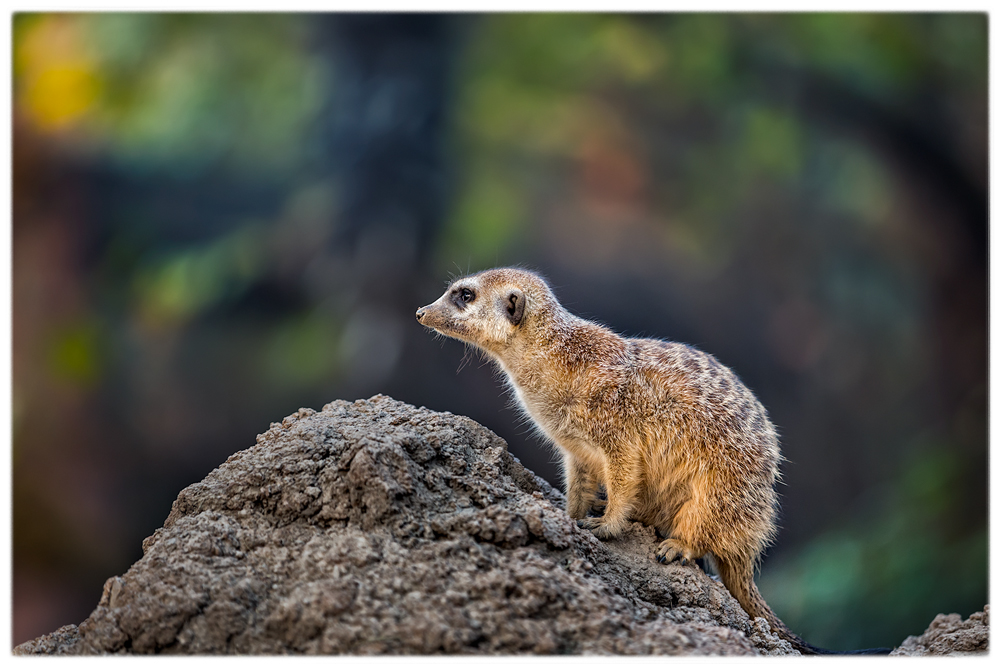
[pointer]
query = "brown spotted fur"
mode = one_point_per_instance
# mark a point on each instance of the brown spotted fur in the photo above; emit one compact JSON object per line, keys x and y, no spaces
{"x":674,"y":437}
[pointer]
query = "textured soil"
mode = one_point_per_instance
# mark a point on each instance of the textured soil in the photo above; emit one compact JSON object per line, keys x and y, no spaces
{"x":950,"y":635}
{"x":375,"y":527}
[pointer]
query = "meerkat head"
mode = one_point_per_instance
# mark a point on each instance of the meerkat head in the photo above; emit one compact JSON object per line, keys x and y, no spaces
{"x":488,"y":309}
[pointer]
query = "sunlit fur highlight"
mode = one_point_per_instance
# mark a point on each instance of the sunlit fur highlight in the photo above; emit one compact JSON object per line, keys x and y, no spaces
{"x":674,"y":437}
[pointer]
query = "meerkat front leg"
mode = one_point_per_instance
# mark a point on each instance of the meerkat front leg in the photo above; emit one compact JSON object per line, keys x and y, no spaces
{"x":581,"y":487}
{"x":621,"y":481}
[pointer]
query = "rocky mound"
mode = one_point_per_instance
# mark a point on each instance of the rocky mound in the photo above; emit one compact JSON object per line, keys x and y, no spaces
{"x":950,"y":635}
{"x":376,"y":527}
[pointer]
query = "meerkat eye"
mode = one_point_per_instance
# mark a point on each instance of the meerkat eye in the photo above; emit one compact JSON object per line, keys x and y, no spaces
{"x":467,"y":295}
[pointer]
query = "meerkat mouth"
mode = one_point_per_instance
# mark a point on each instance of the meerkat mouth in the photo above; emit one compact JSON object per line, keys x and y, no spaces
{"x":432,"y":318}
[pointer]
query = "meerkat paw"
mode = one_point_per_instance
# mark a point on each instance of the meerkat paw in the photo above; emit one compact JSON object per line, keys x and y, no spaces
{"x":601,"y":529}
{"x":670,"y":550}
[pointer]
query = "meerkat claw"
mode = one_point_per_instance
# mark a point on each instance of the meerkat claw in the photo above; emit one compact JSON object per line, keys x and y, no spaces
{"x":671,"y":550}
{"x":601,"y":529}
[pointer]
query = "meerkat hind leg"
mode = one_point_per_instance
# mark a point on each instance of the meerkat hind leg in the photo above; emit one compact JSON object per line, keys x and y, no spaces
{"x":683,"y":543}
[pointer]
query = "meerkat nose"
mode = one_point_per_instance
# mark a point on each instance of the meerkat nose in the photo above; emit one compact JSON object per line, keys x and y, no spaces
{"x":420,"y":313}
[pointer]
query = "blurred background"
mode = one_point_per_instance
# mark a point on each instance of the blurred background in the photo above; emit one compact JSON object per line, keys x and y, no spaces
{"x":218,"y":219}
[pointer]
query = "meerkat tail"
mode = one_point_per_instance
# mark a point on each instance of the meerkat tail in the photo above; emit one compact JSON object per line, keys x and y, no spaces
{"x":738,"y":579}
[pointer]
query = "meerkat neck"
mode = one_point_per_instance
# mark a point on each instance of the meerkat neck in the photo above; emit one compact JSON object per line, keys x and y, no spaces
{"x":554,"y":348}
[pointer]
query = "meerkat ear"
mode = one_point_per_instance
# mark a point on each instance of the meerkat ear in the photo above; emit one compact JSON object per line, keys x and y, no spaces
{"x":515,"y":306}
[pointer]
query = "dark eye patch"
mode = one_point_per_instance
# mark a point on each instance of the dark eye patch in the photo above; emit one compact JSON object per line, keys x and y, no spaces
{"x":462,"y":296}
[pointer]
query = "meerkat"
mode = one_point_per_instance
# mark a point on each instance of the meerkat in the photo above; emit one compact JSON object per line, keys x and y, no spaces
{"x":676,"y":440}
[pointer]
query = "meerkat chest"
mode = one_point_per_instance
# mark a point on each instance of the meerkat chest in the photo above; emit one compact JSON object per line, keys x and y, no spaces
{"x":558,"y":414}
{"x":557,"y":400}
